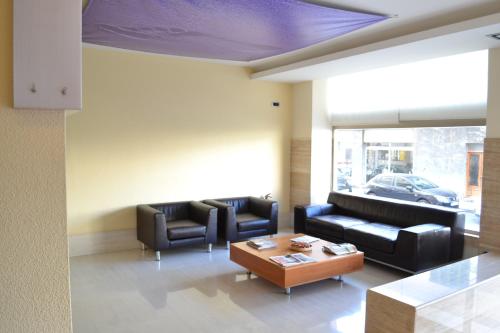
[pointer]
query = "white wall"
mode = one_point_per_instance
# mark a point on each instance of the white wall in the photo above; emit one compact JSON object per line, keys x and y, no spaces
{"x":34,"y":268}
{"x":321,"y":145}
{"x":493,"y":118}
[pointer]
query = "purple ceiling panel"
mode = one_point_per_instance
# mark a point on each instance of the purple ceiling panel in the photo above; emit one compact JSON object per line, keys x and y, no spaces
{"x":241,"y":30}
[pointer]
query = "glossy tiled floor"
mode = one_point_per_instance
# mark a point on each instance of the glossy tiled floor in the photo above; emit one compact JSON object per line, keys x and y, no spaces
{"x":194,"y":291}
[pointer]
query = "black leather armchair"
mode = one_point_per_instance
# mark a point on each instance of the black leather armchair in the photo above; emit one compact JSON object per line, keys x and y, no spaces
{"x":166,"y":225}
{"x":406,"y":235}
{"x":245,"y":217}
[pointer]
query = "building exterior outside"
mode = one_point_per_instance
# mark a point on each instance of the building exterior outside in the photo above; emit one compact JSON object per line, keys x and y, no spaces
{"x":450,"y":157}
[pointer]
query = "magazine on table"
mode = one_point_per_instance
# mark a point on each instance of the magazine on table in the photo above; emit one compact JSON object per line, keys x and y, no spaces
{"x":261,"y":244}
{"x":292,"y":259}
{"x":340,"y":249}
{"x":305,"y":239}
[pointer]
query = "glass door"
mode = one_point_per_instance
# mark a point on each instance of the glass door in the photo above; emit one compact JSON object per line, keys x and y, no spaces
{"x":474,"y":173}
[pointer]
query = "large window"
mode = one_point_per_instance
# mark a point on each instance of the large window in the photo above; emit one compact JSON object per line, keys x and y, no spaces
{"x":437,"y":165}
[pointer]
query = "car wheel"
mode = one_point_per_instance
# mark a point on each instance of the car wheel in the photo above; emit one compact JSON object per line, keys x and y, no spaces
{"x":423,"y":201}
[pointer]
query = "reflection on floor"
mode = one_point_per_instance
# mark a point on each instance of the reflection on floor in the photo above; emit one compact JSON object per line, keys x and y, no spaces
{"x":194,"y":291}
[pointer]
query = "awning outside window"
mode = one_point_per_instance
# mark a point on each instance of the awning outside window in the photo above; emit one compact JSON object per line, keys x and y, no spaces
{"x":448,"y":88}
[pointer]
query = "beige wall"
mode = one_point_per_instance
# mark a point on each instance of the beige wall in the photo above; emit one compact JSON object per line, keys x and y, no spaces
{"x":158,"y":129}
{"x":34,"y":279}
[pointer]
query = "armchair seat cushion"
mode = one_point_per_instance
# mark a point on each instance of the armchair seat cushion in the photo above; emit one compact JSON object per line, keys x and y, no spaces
{"x":181,"y":229}
{"x":333,"y":225}
{"x":378,"y":236}
{"x":248,"y":222}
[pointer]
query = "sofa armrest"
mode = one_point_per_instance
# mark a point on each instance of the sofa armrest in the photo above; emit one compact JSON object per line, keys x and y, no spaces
{"x":201,"y":213}
{"x":267,"y":209}
{"x":226,"y":220}
{"x":457,"y":237}
{"x":302,"y":213}
{"x":206,"y":215}
{"x":261,"y":207}
{"x":424,"y":246}
{"x":152,"y":227}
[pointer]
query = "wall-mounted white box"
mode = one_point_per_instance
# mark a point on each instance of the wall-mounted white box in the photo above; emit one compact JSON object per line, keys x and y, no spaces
{"x":48,"y":54}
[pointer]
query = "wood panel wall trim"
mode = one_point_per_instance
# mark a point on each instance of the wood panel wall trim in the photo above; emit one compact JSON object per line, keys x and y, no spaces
{"x":490,"y":206}
{"x":300,"y":172}
{"x":380,"y":311}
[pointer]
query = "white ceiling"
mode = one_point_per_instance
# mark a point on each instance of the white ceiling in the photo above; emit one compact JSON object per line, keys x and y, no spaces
{"x":418,"y":30}
{"x":465,"y":36}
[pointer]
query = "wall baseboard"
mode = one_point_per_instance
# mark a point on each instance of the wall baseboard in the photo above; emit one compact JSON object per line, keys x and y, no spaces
{"x":103,"y":242}
{"x":285,"y":220}
{"x":122,"y":240}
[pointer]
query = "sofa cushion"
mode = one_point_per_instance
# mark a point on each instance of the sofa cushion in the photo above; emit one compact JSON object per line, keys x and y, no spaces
{"x":377,"y":236}
{"x":247,"y":222}
{"x":185,"y":229}
{"x":333,"y":225}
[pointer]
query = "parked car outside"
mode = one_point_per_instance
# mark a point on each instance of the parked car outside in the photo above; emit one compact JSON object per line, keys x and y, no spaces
{"x":410,"y":188}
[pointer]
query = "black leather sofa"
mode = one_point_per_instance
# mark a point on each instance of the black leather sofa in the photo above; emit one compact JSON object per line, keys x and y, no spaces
{"x":408,"y":236}
{"x":167,"y":225}
{"x":244,"y":217}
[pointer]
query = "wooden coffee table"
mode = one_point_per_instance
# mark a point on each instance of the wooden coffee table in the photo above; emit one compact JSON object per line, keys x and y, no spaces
{"x":327,"y":266}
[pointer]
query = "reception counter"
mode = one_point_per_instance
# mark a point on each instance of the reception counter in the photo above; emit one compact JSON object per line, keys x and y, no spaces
{"x":460,"y":297}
